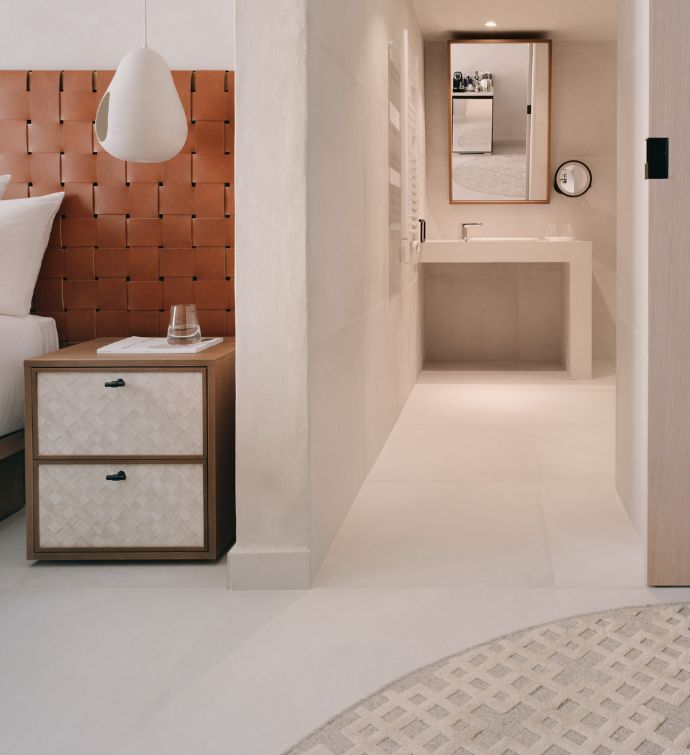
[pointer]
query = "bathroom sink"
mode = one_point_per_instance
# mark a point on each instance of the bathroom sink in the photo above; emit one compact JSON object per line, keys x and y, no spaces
{"x":505,"y":249}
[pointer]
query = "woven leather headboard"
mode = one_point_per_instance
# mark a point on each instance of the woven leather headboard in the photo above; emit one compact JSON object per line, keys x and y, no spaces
{"x":131,"y":239}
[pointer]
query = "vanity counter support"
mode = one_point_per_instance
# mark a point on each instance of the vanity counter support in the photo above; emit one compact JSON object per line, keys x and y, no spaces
{"x":576,"y":258}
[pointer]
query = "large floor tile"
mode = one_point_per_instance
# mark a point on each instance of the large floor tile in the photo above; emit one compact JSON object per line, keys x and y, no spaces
{"x":440,"y":534}
{"x":464,"y":405}
{"x":511,"y":373}
{"x":79,"y":665}
{"x":591,"y":539}
{"x":507,"y":373}
{"x":327,"y":650}
{"x":570,"y":405}
{"x":577,"y":454}
{"x":437,"y":452}
{"x":16,"y":571}
{"x":578,"y":601}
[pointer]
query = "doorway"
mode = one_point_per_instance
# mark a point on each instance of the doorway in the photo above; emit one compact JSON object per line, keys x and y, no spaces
{"x":435,"y":508}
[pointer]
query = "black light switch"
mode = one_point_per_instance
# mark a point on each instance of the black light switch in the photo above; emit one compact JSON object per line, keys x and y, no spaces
{"x":657,"y":158}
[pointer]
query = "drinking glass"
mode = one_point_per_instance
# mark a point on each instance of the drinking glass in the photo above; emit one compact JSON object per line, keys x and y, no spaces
{"x":184,"y":325}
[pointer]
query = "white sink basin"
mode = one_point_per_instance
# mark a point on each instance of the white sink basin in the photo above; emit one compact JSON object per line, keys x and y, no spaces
{"x":504,"y":249}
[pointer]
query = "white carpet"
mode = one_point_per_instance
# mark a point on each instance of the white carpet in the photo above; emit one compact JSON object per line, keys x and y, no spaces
{"x":502,"y":175}
{"x":472,"y":138}
{"x":611,"y":682}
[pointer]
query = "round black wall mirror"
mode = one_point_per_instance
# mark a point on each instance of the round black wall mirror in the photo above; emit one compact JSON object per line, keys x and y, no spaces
{"x":573,"y":178}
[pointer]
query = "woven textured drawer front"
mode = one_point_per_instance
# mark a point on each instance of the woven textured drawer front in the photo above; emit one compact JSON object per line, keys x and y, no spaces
{"x":154,"y":413}
{"x":156,"y":506}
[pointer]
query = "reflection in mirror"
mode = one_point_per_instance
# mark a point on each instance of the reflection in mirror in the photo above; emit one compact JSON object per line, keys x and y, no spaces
{"x":499,"y":120}
{"x":573,"y":178}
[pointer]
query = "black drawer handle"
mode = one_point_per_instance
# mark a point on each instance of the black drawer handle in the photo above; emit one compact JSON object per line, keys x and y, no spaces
{"x":117,"y":477}
{"x":119,"y":383}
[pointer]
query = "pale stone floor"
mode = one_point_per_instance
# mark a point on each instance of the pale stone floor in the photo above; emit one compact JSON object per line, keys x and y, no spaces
{"x":491,"y":508}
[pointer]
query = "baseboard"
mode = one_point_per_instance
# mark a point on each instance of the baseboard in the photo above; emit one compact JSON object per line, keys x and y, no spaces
{"x":254,"y":569}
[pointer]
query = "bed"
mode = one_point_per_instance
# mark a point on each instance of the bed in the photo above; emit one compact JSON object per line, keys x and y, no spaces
{"x":20,"y":338}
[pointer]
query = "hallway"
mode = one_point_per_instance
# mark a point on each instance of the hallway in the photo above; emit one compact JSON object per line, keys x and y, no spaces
{"x":493,"y":479}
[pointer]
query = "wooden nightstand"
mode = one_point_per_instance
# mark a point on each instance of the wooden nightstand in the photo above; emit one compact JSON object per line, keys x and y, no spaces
{"x":130,"y":457}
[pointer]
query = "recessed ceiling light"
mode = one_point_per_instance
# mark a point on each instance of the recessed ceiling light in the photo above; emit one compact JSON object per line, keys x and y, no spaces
{"x":491,"y":24}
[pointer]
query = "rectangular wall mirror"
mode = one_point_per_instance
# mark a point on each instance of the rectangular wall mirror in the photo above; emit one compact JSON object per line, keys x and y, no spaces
{"x":499,"y":120}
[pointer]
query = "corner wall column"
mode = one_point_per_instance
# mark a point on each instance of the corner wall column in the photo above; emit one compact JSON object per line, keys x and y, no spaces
{"x":272,"y":548}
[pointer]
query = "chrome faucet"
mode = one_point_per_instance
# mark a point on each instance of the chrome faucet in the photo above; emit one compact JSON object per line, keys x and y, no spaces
{"x":463,"y":230}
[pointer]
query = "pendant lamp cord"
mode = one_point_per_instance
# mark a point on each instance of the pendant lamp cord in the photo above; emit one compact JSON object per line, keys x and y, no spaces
{"x":146,"y":25}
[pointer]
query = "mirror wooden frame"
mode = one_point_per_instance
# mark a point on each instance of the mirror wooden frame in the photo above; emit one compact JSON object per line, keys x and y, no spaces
{"x":489,"y":40}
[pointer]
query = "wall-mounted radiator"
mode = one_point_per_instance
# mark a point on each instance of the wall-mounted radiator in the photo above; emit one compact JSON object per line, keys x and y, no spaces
{"x":404,"y":154}
{"x":410,"y":184}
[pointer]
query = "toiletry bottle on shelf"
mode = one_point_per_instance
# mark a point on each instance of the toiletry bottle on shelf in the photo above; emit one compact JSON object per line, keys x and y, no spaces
{"x":551,"y":232}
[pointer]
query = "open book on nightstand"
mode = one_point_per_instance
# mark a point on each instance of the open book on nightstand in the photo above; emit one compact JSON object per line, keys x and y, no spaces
{"x":141,"y":345}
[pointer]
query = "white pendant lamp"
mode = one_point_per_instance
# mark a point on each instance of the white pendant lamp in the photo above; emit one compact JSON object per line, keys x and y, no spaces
{"x":141,"y":118}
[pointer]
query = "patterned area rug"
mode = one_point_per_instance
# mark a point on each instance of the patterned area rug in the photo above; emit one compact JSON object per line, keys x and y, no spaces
{"x":472,"y":139}
{"x":503,"y":175}
{"x":612,"y":682}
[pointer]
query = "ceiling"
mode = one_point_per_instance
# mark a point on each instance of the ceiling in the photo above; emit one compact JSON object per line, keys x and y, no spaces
{"x":572,"y":20}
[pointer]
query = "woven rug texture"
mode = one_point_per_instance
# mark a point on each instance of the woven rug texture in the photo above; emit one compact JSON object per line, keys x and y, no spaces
{"x":611,"y":682}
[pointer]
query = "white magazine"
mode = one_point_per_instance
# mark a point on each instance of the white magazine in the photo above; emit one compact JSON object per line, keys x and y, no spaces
{"x":139,"y":345}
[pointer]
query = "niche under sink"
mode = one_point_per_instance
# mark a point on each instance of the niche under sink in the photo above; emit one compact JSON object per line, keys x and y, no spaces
{"x":575,"y":256}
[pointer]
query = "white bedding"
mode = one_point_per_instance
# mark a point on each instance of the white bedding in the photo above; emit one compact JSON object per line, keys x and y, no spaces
{"x":20,"y":339}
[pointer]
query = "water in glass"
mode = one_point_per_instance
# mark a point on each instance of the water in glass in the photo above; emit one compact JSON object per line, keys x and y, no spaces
{"x":184,"y":325}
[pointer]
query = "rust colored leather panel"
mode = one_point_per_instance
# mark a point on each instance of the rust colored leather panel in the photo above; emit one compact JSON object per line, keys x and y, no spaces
{"x":130,"y":238}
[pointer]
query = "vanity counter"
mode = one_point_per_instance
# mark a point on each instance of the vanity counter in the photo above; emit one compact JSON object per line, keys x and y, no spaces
{"x":508,"y":250}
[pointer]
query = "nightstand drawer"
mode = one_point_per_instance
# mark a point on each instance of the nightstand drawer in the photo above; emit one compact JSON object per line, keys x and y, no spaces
{"x":120,"y":412}
{"x":142,"y":505}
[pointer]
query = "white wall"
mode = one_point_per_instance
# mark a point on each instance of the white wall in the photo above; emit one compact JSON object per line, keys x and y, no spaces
{"x":583,"y":128}
{"x":364,"y":312}
{"x":633,"y":257}
{"x":271,"y":236}
{"x":83,"y":34}
{"x":328,"y":321}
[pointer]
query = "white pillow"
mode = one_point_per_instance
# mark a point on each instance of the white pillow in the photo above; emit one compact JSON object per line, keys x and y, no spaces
{"x":24,"y":232}
{"x":4,"y":180}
